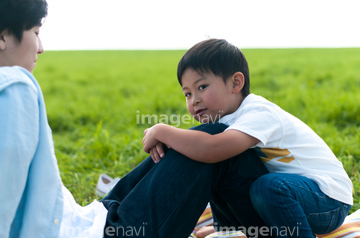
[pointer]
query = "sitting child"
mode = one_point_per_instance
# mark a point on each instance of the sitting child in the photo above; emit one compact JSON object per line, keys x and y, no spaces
{"x":307,"y":191}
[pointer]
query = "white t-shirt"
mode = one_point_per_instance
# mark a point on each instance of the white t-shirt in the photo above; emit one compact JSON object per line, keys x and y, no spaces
{"x":82,"y":222}
{"x":290,"y":146}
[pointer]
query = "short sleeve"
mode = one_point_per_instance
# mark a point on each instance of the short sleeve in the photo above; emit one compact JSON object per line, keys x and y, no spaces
{"x":259,"y":122}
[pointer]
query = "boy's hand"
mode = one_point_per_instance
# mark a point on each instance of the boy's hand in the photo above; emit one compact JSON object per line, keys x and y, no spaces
{"x":157,"y":152}
{"x":149,"y":140}
{"x":204,"y":231}
{"x":152,"y":145}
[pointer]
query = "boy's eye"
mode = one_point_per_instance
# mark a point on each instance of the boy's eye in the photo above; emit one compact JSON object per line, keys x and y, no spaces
{"x":202,"y":87}
{"x":187,"y":95}
{"x":36,"y":30}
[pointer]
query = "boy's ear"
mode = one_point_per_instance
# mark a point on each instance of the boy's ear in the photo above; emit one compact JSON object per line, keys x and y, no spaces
{"x":2,"y":39}
{"x":238,"y":81}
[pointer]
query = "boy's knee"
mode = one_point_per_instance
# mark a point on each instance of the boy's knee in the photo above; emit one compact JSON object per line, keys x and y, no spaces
{"x":211,"y":128}
{"x":266,"y":188}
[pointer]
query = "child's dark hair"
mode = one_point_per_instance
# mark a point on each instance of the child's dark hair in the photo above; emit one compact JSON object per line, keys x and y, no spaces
{"x":216,"y":56}
{"x":19,"y":15}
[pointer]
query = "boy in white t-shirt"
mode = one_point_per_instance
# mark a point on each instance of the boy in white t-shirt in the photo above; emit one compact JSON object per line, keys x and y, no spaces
{"x":307,"y":191}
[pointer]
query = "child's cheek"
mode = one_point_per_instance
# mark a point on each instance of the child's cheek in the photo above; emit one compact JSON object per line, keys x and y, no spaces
{"x":189,"y":108}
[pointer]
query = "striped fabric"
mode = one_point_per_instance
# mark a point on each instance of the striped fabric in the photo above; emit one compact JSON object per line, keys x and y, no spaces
{"x":350,"y":228}
{"x":232,"y":234}
{"x":205,"y":219}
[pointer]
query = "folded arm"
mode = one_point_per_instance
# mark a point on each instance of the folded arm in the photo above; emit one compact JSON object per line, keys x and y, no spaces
{"x":197,"y":145}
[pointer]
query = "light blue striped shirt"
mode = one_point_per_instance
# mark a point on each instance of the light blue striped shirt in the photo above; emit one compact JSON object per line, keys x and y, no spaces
{"x":31,"y":200}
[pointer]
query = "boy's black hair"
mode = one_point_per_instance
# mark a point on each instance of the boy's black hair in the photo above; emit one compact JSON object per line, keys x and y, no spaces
{"x":17,"y":16}
{"x":216,"y":56}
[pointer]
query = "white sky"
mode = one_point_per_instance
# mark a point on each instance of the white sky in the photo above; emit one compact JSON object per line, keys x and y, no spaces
{"x":158,"y":24}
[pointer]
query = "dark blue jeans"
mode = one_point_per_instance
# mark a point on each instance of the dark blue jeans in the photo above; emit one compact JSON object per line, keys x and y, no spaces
{"x":294,"y":206}
{"x":166,"y":199}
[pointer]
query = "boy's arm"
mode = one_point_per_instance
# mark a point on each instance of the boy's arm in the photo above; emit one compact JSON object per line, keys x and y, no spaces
{"x":198,"y":145}
{"x":19,"y":131}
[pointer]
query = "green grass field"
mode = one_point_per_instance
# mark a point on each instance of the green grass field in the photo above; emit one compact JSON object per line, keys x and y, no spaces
{"x":94,"y":99}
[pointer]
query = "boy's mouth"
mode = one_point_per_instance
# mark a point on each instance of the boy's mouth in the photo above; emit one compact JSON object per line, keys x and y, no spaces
{"x":200,"y":112}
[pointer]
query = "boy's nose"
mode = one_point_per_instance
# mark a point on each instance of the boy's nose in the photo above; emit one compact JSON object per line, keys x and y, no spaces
{"x":195,"y":101}
{"x":41,"y":48}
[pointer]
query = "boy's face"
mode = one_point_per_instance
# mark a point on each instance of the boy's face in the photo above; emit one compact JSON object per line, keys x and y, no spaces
{"x":208,"y":97}
{"x":22,"y":53}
